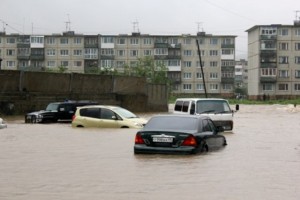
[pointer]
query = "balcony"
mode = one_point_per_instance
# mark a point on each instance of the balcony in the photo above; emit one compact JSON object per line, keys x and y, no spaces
{"x":87,"y":45}
{"x":37,"y":57}
{"x":175,"y":46}
{"x":23,"y":45}
{"x":227,"y":80}
{"x":268,"y":65}
{"x":23,"y":57}
{"x":107,"y":57}
{"x":161,"y":45}
{"x":268,"y":37}
{"x":268,"y":79}
{"x":227,"y":46}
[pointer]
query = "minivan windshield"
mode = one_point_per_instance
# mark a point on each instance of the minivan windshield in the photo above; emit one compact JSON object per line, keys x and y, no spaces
{"x":212,"y":106}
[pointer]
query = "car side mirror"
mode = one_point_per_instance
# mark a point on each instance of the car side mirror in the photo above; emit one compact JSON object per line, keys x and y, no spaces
{"x":237,"y":107}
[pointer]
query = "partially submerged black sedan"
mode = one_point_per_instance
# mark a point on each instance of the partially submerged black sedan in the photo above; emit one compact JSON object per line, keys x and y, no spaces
{"x":178,"y":134}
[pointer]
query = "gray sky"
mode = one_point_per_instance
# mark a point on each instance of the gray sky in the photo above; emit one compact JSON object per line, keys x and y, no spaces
{"x":217,"y":17}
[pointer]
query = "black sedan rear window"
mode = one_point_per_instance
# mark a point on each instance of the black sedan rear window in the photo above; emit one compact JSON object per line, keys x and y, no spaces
{"x":172,"y":123}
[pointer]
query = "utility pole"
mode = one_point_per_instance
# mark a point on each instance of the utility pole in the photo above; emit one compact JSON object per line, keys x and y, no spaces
{"x":199,"y":52}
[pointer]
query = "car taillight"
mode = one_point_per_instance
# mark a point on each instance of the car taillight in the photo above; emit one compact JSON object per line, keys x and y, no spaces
{"x":139,"y":139}
{"x":73,"y":117}
{"x":189,"y":141}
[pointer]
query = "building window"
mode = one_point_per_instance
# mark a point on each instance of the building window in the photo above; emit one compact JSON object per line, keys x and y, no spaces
{"x":187,"y":52}
{"x":187,"y":86}
{"x":213,"y":52}
{"x":64,"y":41}
{"x":50,"y":52}
{"x":283,"y":59}
{"x":10,"y":63}
{"x":297,"y":73}
{"x":173,"y":63}
{"x":283,"y":32}
{"x":268,"y":72}
{"x":268,"y":31}
{"x":134,"y":53}
{"x":77,"y":63}
{"x":213,"y":41}
{"x":107,"y":39}
{"x":297,"y":32}
{"x":284,"y":46}
{"x":283,"y":73}
{"x":227,"y":86}
{"x":199,"y":75}
{"x":161,"y":51}
{"x":147,"y":41}
{"x":121,"y":53}
{"x":107,"y":52}
{"x":297,"y":46}
{"x":227,"y":52}
{"x":228,"y":63}
{"x":120,"y":64}
{"x":199,"y":86}
{"x":147,"y":52}
{"x":121,"y":41}
{"x":64,"y":63}
{"x":267,"y":87}
{"x":187,"y":75}
{"x":51,"y":63}
{"x":297,"y":60}
{"x":10,"y":52}
{"x":213,"y":63}
{"x":213,"y":86}
{"x":107,"y":63}
{"x":134,"y":41}
{"x":51,"y":40}
{"x":77,"y":40}
{"x":77,"y":52}
{"x":227,"y":74}
{"x":64,"y":52}
{"x":198,"y":64}
{"x":91,"y":53}
{"x":297,"y":86}
{"x":283,"y":87}
{"x":11,"y":40}
{"x":213,"y":75}
{"x":187,"y":64}
{"x":187,"y":41}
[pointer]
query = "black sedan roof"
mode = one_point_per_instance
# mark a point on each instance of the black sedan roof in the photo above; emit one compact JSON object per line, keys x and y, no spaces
{"x":188,"y":123}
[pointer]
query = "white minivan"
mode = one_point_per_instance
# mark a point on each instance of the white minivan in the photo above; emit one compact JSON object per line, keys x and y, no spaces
{"x":217,"y":109}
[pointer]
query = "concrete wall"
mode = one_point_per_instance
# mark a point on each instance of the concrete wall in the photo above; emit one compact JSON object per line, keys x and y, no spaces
{"x":22,"y":92}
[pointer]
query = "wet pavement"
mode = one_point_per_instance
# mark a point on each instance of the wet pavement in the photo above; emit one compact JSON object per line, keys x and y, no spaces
{"x":56,"y":161}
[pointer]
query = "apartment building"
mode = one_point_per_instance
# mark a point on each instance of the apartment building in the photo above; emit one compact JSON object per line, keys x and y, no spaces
{"x":80,"y":53}
{"x":274,"y":61}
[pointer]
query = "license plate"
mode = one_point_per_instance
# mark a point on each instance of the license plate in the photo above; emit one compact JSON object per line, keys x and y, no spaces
{"x":161,"y":139}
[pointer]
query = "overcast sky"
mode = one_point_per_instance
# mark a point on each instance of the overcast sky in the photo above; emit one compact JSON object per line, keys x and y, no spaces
{"x":166,"y":17}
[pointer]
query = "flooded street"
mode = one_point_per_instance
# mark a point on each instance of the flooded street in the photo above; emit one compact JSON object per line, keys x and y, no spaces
{"x":55,"y":161}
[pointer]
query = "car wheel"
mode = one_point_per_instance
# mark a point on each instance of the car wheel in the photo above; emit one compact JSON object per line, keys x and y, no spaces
{"x":33,"y":119}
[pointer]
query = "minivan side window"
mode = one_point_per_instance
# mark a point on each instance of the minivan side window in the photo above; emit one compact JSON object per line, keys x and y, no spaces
{"x":178,"y":106}
{"x":185,"y":106}
{"x":107,"y":114}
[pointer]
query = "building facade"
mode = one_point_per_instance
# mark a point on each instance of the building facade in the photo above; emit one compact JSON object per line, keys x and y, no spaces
{"x":274,"y":61}
{"x":80,"y":53}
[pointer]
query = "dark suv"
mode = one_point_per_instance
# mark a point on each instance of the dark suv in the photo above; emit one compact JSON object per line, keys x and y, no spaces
{"x":56,"y":111}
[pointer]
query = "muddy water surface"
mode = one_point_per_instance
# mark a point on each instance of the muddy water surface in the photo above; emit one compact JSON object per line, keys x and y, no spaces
{"x":55,"y":161}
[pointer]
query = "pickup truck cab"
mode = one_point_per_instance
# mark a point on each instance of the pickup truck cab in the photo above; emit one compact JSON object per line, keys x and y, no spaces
{"x":56,"y":111}
{"x":216,"y":108}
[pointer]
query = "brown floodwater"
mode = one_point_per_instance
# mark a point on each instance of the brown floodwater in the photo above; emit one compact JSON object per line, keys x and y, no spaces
{"x":56,"y":161}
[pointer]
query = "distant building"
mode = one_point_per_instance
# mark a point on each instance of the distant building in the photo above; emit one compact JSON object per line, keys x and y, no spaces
{"x":241,"y":76}
{"x":90,"y":53}
{"x":274,"y":61}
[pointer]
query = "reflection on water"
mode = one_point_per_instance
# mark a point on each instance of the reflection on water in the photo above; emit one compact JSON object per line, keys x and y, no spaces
{"x":55,"y":161}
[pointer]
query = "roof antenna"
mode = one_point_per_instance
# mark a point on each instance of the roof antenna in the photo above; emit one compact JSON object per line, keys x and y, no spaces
{"x":136,"y":27}
{"x":68,"y":24}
